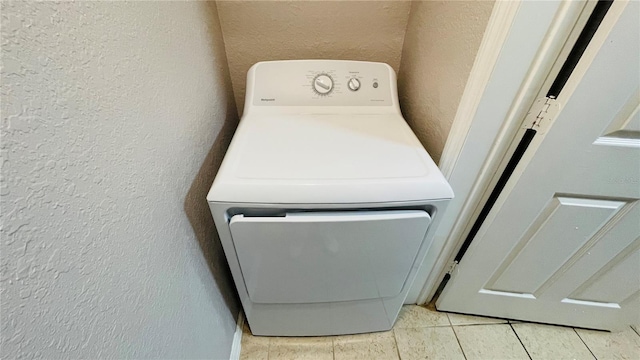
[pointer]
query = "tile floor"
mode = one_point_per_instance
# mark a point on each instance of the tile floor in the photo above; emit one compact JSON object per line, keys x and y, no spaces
{"x":421,"y":333}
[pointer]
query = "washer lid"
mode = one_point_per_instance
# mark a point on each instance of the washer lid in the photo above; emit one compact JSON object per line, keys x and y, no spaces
{"x":327,"y":159}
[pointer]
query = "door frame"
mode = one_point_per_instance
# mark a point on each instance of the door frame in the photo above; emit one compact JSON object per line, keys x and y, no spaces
{"x":522,"y":49}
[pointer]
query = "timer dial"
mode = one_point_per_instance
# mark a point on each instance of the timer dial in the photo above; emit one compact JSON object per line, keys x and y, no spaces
{"x":323,"y":84}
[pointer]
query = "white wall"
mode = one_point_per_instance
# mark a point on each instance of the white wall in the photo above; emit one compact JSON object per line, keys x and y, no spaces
{"x":282,"y":30}
{"x":440,"y":45}
{"x":114,"y":120}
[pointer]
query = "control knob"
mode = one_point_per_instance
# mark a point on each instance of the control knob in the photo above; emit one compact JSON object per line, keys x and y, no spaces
{"x":322,"y":84}
{"x":354,"y":84}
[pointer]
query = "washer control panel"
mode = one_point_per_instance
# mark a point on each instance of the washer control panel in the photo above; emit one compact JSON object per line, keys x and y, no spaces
{"x":321,"y":83}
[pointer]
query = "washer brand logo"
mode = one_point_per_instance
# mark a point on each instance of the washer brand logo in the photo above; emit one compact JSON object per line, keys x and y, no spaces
{"x":263,"y":99}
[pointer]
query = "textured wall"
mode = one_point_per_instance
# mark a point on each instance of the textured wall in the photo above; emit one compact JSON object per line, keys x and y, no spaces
{"x":282,"y":30}
{"x":114,"y":118}
{"x":440,"y":46}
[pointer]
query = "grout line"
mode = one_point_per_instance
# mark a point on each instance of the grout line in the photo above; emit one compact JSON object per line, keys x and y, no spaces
{"x":585,"y":344}
{"x":521,"y":343}
{"x":635,"y":330}
{"x":396,"y":342}
{"x":333,"y":348}
{"x":269,"y":348}
{"x":458,"y":340}
{"x":485,"y":324}
{"x":505,"y":321}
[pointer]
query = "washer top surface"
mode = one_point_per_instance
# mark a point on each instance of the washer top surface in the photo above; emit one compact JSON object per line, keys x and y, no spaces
{"x":319,"y":154}
{"x":327,"y":147}
{"x":327,"y":159}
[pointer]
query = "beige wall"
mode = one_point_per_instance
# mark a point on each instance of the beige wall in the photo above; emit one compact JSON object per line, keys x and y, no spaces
{"x":433,"y":58}
{"x":114,"y":118}
{"x":281,"y":30}
{"x":440,"y":45}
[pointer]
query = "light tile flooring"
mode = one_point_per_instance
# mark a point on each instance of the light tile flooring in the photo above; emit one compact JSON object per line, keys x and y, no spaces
{"x":421,"y":333}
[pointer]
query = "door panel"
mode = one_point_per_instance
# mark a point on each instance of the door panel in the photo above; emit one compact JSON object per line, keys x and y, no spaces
{"x":615,"y":283}
{"x":601,"y":250}
{"x":625,"y":128}
{"x":561,"y":244}
{"x":328,"y":256}
{"x":563,"y":227}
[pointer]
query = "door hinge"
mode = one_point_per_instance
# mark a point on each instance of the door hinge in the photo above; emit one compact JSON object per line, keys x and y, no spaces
{"x":452,"y":267}
{"x":541,"y":115}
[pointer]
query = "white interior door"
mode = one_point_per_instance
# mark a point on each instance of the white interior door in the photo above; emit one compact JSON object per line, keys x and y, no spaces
{"x":562,"y":243}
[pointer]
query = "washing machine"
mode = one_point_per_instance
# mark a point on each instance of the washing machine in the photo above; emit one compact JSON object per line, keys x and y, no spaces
{"x":325,"y":202}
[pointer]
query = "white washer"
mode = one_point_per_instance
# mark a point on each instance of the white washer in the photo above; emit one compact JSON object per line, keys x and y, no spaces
{"x":326,"y":202}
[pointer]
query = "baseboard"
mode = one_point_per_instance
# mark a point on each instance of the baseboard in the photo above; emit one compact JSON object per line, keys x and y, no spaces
{"x":237,"y":338}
